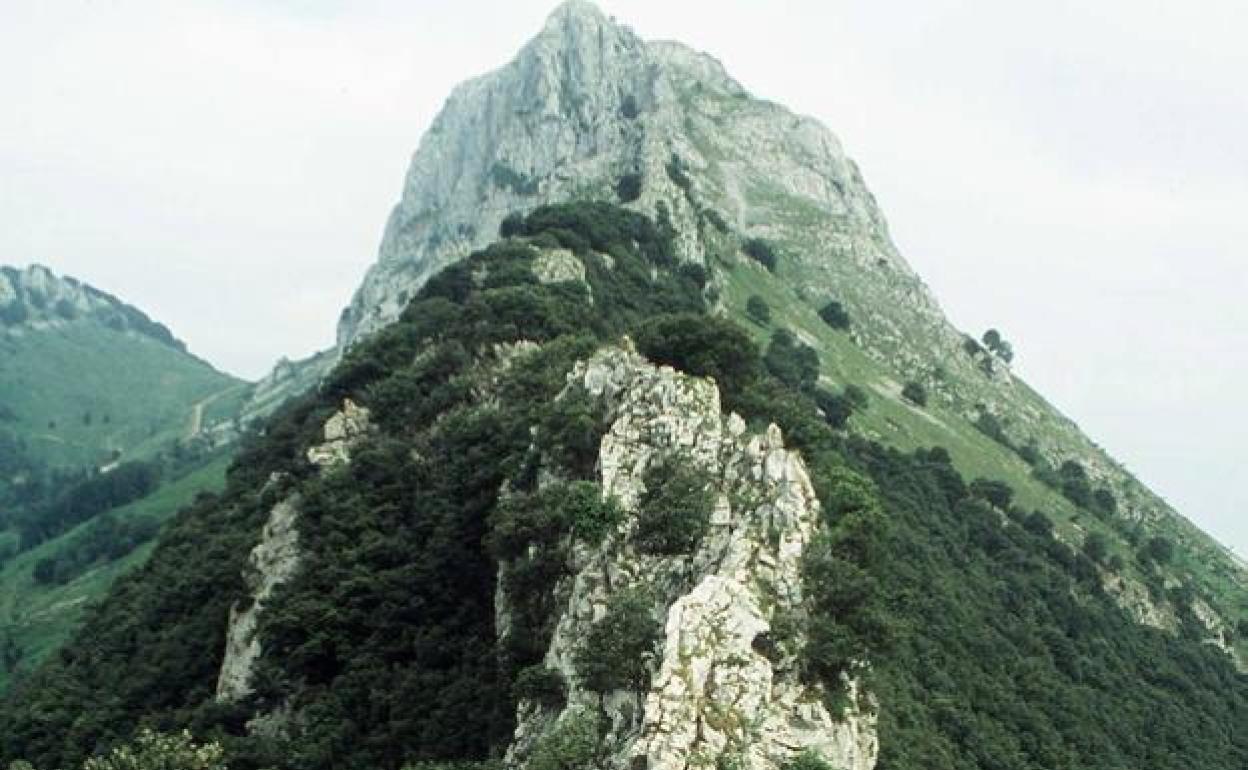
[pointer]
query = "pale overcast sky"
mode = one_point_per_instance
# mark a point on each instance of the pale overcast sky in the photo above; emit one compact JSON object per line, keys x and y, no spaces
{"x":1073,"y":173}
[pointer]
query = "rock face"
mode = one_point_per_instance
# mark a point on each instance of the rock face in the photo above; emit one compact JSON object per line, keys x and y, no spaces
{"x":275,"y":558}
{"x":37,"y":298}
{"x":588,"y":110}
{"x":272,"y":562}
{"x":585,"y":104}
{"x":723,"y":693}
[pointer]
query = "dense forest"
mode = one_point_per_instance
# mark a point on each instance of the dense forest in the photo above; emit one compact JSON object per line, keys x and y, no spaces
{"x":988,"y":642}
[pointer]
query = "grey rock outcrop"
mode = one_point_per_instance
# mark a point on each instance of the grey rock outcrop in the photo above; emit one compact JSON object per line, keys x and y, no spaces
{"x":586,"y":103}
{"x":275,"y":559}
{"x":37,"y":298}
{"x":715,"y":695}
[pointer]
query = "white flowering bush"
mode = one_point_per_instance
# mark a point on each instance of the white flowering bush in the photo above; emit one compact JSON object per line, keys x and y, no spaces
{"x":158,"y":751}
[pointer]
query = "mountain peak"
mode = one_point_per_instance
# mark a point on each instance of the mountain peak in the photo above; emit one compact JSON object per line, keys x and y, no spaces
{"x":575,"y":12}
{"x":36,"y":297}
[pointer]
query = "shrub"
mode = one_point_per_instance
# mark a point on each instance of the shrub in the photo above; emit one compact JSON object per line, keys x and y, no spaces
{"x":757,"y":308}
{"x":674,"y":512}
{"x":807,"y":760}
{"x":1104,"y":502}
{"x":571,"y":433}
{"x":155,"y":751}
{"x":572,"y":744}
{"x":990,"y":425}
{"x":838,"y":408}
{"x":628,"y":188}
{"x":914,"y":393}
{"x":1074,"y":483}
{"x":586,"y":513}
{"x":791,"y":361}
{"x":703,"y":346}
{"x":1159,"y":549}
{"x":998,"y":345}
{"x":835,"y":315}
{"x":761,"y":252}
{"x":856,"y":396}
{"x":676,"y":172}
{"x":1096,"y":547}
{"x":998,"y":493}
{"x":628,"y":107}
{"x":614,"y":654}
{"x":542,"y":685}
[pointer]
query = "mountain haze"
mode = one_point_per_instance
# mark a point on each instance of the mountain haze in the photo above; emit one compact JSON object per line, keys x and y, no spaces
{"x":107,"y":425}
{"x":641,"y":446}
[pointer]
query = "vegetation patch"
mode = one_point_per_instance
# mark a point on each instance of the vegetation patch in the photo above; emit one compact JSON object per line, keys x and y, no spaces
{"x":674,"y":513}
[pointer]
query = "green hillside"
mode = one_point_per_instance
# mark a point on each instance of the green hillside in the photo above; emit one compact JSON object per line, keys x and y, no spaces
{"x":106,"y":428}
{"x":970,"y":608}
{"x":36,"y":617}
{"x":80,"y":394}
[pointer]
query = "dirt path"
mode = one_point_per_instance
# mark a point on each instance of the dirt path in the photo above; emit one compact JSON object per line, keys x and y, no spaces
{"x":196,"y":423}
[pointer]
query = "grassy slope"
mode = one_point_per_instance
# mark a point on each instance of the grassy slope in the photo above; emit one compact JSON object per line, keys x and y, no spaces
{"x":40,"y":618}
{"x":138,"y":392}
{"x":893,"y":421}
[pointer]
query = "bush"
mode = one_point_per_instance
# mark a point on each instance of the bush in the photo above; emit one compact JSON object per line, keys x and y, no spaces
{"x":542,"y":685}
{"x":628,"y":188}
{"x":1103,"y":502}
{"x":835,"y":315}
{"x":1074,"y":484}
{"x":572,"y":744}
{"x":914,"y":393}
{"x":807,"y":760}
{"x":1096,"y":547}
{"x":791,"y":361}
{"x":676,"y":172}
{"x":703,"y":346}
{"x":572,"y":432}
{"x":154,"y":751}
{"x":998,"y":493}
{"x":757,"y":308}
{"x":998,"y":345}
{"x":761,"y":252}
{"x":1159,"y":549}
{"x":615,"y":652}
{"x":628,"y":107}
{"x":674,"y":512}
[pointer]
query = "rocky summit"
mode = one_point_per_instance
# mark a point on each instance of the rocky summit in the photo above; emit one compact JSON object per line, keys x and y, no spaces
{"x":642,"y":448}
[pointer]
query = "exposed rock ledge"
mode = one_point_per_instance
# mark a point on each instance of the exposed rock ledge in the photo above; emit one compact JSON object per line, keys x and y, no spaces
{"x":715,"y":699}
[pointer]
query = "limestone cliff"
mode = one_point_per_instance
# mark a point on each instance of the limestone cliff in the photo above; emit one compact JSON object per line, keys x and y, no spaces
{"x":275,"y":558}
{"x":37,"y":298}
{"x":589,"y":110}
{"x":724,"y":690}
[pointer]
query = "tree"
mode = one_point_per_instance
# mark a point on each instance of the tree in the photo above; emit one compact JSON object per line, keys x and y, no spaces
{"x":674,"y":512}
{"x":701,"y":345}
{"x":998,"y":345}
{"x":835,"y":315}
{"x":629,"y":188}
{"x":998,"y":493}
{"x":1096,"y":547}
{"x":757,"y":308}
{"x":615,"y":652}
{"x":791,"y":361}
{"x":914,"y":393}
{"x":1159,"y":549}
{"x":762,"y":252}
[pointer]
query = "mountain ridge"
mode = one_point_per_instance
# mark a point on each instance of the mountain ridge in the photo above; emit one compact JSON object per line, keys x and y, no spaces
{"x":587,"y":105}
